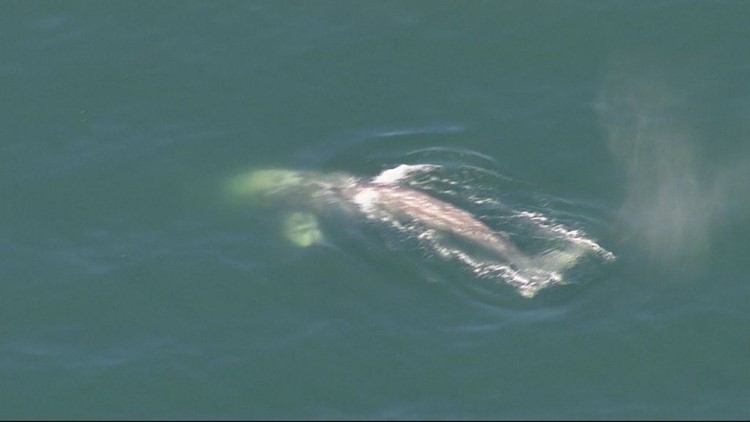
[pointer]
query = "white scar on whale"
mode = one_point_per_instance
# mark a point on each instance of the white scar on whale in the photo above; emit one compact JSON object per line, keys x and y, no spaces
{"x":386,"y":199}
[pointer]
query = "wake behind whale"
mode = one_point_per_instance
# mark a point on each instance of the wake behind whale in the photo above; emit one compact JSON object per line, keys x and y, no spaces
{"x":400,"y":198}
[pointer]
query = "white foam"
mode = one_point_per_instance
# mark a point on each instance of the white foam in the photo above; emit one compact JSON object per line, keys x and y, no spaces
{"x":574,"y":236}
{"x":394,"y":175}
{"x":527,"y":281}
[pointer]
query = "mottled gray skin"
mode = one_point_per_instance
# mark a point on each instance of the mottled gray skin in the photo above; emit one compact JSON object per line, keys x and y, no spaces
{"x":437,"y":214}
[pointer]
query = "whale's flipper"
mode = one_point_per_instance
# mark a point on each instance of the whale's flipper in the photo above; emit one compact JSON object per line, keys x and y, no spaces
{"x":302,"y":229}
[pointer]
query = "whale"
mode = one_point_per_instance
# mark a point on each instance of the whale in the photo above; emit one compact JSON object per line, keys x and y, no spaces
{"x":386,"y":199}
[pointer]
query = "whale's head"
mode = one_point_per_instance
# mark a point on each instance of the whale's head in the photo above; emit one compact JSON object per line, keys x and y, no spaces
{"x":264,"y":185}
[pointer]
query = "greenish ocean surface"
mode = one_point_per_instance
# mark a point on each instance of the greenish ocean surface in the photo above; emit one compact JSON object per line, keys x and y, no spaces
{"x":134,"y":285}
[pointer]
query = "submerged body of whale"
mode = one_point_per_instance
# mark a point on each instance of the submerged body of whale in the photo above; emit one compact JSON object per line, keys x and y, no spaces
{"x":386,"y":199}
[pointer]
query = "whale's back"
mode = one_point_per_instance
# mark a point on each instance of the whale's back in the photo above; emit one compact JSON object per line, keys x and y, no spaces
{"x":406,"y":203}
